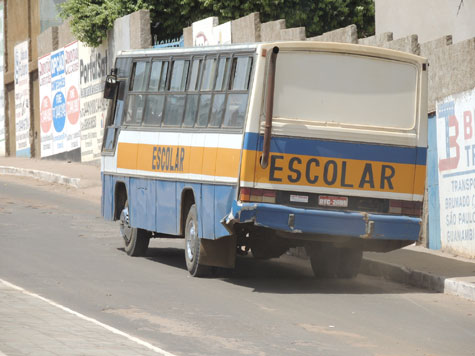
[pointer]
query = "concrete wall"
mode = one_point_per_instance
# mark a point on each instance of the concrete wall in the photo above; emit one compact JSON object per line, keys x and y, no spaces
{"x":451,"y":68}
{"x":347,"y":34}
{"x":377,"y":40}
{"x":270,"y":31}
{"x":47,"y":41}
{"x":130,"y":32}
{"x":429,"y":19}
{"x":246,"y":29}
{"x":408,"y":44}
{"x":65,"y":36}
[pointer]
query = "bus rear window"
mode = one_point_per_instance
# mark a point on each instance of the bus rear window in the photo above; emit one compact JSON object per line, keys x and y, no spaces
{"x":345,"y":89}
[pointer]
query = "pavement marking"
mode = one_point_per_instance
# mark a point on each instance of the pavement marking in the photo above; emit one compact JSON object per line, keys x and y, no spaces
{"x":94,"y":321}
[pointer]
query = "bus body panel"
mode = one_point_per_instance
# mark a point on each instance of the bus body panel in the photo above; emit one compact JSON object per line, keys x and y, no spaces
{"x":345,"y":158}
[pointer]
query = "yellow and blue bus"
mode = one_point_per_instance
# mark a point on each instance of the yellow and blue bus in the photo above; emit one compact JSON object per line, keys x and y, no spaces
{"x":265,"y":147}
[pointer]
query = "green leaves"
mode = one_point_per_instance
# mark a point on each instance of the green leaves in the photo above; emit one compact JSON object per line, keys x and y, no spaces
{"x":90,"y":19}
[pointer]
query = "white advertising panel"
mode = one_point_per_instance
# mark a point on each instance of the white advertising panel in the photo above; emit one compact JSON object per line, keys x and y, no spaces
{"x":73,"y":127}
{"x":58,"y":83}
{"x":46,"y":109}
{"x":222,"y":34}
{"x":456,"y":154}
{"x":58,"y":74}
{"x":93,"y":71}
{"x":22,"y":100}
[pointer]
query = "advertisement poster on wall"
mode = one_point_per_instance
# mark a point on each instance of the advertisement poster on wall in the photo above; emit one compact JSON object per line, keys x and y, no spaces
{"x":59,"y":100}
{"x":2,"y":84}
{"x":22,"y":100}
{"x":71,"y":93}
{"x":93,"y":69}
{"x":46,"y":110}
{"x":456,"y":155}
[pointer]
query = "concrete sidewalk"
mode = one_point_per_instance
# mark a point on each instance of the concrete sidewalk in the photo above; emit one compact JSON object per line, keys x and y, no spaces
{"x":414,"y":265}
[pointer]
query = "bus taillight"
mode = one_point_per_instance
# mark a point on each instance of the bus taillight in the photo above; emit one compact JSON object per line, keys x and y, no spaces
{"x":407,"y":208}
{"x":257,"y":195}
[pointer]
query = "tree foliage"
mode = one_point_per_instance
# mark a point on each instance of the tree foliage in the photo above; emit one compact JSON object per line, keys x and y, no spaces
{"x":90,"y":19}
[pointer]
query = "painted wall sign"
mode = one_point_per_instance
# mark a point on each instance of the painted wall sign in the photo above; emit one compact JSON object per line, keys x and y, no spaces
{"x":2,"y":84}
{"x":93,"y":68}
{"x":456,"y":161}
{"x":58,"y":74}
{"x":22,"y":100}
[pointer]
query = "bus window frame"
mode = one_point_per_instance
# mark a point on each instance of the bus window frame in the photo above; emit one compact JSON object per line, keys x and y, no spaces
{"x":191,"y":57}
{"x":112,"y":123}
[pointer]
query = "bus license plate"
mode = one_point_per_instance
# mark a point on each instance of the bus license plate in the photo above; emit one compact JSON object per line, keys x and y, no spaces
{"x":337,"y":202}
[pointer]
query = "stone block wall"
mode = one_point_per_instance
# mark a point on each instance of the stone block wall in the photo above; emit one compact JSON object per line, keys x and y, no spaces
{"x":270,"y":31}
{"x":47,"y":41}
{"x":408,"y":44}
{"x":246,"y":29}
{"x":347,"y":34}
{"x":65,"y":36}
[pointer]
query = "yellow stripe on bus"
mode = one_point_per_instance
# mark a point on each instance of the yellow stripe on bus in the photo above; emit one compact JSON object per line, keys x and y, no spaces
{"x":211,"y":161}
{"x":301,"y":170}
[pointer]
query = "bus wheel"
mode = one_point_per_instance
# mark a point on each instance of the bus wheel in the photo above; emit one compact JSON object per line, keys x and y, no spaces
{"x":136,"y":240}
{"x":324,"y":260}
{"x":350,"y":261}
{"x":192,"y":246}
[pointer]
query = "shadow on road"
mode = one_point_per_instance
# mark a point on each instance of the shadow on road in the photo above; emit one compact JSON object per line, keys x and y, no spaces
{"x":284,"y":275}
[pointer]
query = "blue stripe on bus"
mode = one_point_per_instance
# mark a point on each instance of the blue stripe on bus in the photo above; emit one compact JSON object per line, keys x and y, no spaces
{"x":338,"y":149}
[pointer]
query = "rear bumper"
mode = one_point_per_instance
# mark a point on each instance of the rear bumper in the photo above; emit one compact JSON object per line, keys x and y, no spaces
{"x":325,"y":222}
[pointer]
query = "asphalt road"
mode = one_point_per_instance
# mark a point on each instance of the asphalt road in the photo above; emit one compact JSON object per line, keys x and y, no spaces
{"x":54,"y":242}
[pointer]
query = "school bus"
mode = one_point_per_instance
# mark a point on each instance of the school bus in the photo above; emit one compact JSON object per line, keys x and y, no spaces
{"x":265,"y":147}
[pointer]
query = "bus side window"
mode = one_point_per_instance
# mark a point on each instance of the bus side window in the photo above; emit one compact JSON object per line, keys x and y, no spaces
{"x":175,"y":103}
{"x":138,"y":84}
{"x":237,"y":99}
{"x":192,"y":95}
{"x":217,"y":110}
{"x":139,"y":76}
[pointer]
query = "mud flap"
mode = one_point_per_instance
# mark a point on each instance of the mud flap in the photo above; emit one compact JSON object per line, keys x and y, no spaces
{"x":218,"y":253}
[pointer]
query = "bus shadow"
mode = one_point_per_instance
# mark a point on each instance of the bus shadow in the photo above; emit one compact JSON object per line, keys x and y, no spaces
{"x":284,"y":275}
{"x":170,"y":256}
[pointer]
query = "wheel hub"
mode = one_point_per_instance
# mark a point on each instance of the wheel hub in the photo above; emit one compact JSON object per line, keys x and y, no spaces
{"x":125,"y":229}
{"x":191,"y":237}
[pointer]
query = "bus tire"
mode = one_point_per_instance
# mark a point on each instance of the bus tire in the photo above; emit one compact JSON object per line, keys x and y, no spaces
{"x":325,"y":261}
{"x":350,"y":261}
{"x":135,"y":240}
{"x":192,"y":246}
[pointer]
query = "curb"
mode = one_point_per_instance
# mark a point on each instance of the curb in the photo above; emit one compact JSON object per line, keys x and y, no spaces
{"x":41,"y":175}
{"x":401,"y":274}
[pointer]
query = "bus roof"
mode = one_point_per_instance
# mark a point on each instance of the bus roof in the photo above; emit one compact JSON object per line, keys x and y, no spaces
{"x":296,"y":45}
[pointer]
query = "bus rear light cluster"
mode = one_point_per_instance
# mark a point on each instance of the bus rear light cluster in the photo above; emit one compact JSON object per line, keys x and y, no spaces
{"x":257,"y":195}
{"x":407,"y":208}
